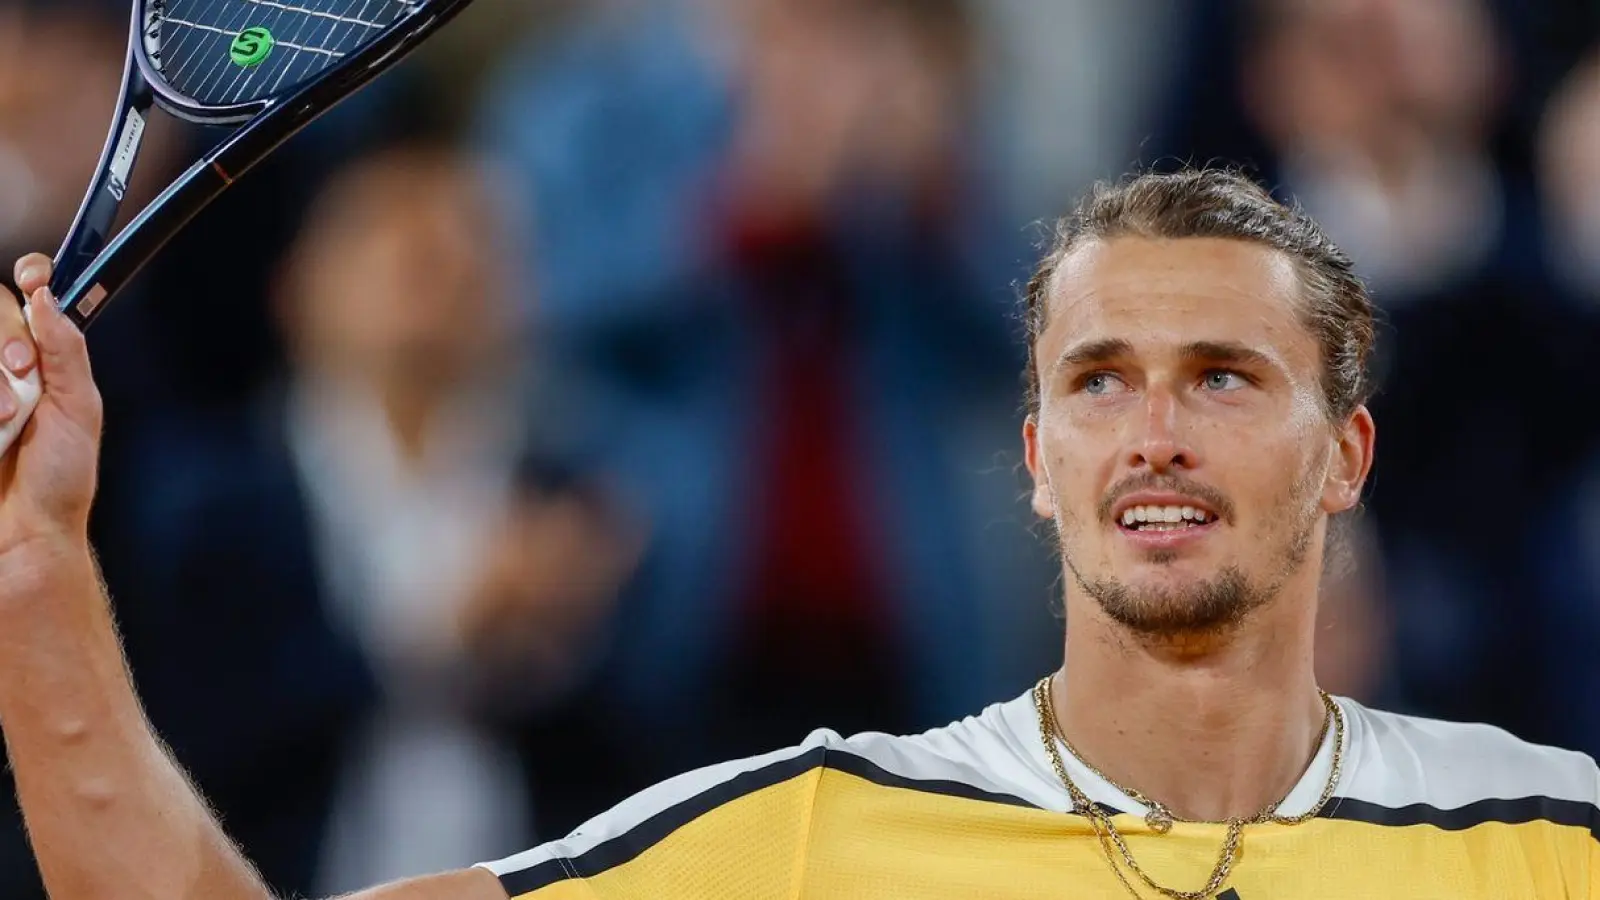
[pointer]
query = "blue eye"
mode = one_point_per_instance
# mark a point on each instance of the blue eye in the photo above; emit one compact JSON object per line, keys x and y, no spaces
{"x":1100,"y":383}
{"x":1224,"y":380}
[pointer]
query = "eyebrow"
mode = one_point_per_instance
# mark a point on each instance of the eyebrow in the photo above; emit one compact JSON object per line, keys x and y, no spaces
{"x":1104,"y":350}
{"x":1091,"y":352}
{"x":1225,"y":352}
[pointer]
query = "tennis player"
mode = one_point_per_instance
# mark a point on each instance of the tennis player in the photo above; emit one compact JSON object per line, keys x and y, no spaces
{"x":1199,"y":358}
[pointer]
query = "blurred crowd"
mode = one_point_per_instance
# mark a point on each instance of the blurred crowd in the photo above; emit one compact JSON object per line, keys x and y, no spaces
{"x":625,"y":385}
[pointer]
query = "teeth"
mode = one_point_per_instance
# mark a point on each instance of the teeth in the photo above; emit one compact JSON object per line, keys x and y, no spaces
{"x":1165,"y":516}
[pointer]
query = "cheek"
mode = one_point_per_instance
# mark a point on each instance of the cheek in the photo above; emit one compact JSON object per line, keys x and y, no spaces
{"x":1079,"y":474}
{"x":1286,"y":487}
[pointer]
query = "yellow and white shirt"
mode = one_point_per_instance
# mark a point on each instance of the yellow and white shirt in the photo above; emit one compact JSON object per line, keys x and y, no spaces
{"x":1423,"y":809}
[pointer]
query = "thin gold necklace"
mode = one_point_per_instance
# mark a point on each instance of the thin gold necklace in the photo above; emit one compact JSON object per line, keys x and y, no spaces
{"x":1159,"y":817}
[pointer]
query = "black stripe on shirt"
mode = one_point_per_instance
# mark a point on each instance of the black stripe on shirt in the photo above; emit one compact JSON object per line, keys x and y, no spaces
{"x":1518,"y":811}
{"x":630,"y":844}
{"x":641,"y":837}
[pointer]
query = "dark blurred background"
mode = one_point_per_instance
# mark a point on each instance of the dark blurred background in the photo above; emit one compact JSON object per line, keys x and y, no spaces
{"x":626,"y":385}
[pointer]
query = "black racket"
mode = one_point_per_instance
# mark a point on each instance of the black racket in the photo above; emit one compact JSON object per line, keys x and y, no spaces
{"x":270,"y":67}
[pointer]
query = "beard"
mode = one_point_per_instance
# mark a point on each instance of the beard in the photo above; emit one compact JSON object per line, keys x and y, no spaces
{"x":1214,"y":605}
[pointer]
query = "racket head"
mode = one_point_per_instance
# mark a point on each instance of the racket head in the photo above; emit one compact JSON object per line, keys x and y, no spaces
{"x":222,"y":62}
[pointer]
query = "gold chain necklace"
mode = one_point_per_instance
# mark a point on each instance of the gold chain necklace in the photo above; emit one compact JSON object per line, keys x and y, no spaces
{"x":1159,"y":817}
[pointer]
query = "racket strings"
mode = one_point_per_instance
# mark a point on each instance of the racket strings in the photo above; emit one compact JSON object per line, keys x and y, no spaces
{"x":228,"y":52}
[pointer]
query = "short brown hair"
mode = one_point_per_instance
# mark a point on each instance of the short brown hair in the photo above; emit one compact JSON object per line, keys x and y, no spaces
{"x":1216,"y":203}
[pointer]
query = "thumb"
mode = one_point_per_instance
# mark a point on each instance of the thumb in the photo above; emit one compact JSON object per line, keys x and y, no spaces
{"x":63,"y":360}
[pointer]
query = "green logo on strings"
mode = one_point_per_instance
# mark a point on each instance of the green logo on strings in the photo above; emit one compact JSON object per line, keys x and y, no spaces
{"x":252,"y":47}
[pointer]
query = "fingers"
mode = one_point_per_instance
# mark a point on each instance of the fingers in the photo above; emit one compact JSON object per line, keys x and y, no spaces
{"x":16,"y":342}
{"x":33,"y":272}
{"x":17,"y":357}
{"x":63,"y":359}
{"x":40,"y":344}
{"x":11,"y":319}
{"x":19,"y":393}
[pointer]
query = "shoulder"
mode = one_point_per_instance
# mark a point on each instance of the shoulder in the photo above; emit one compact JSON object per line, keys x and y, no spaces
{"x":633,"y":827}
{"x":1458,"y":774}
{"x":993,"y":755}
{"x":981,"y":757}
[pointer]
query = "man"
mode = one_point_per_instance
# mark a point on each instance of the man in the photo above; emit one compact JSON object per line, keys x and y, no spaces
{"x":1198,"y":371}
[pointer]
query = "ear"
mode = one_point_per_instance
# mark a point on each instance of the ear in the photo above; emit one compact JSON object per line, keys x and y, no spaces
{"x":1352,"y":460}
{"x":1043,"y":502}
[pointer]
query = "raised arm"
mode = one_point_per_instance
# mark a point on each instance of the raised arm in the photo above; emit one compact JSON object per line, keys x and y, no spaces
{"x":108,"y":811}
{"x":468,"y":884}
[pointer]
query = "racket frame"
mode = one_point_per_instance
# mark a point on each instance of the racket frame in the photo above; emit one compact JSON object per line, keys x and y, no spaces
{"x":92,"y":266}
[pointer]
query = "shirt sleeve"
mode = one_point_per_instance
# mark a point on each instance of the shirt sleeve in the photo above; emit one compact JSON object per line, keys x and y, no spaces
{"x":737,"y":830}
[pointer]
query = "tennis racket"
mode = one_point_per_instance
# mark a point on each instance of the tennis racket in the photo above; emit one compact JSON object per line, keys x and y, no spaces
{"x":268,"y":68}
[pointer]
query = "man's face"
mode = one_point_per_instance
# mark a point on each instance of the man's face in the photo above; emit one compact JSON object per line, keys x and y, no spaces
{"x":408,"y":288}
{"x":1180,"y":445}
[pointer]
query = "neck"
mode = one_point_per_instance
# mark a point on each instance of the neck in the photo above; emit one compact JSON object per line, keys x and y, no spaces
{"x":1211,"y":728}
{"x":410,"y":411}
{"x":408,"y":405}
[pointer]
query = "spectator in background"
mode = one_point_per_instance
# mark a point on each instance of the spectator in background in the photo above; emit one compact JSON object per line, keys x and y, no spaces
{"x":406,"y":422}
{"x":409,"y":588}
{"x":776,"y":294}
{"x":1379,"y":113}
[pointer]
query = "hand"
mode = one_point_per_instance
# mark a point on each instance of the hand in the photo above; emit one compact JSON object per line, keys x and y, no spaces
{"x":550,"y":578}
{"x":47,"y":479}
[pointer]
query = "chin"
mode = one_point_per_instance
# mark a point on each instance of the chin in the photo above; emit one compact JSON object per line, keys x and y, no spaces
{"x":1171,"y":568}
{"x":1199,"y":600}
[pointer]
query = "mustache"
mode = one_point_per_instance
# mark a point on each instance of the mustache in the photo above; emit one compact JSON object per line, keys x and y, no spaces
{"x":1149,"y":481}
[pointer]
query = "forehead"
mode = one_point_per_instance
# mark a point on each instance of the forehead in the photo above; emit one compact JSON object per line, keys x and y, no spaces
{"x":1160,"y":293}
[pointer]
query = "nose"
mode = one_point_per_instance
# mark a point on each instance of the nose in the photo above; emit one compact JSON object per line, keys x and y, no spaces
{"x":1158,"y":445}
